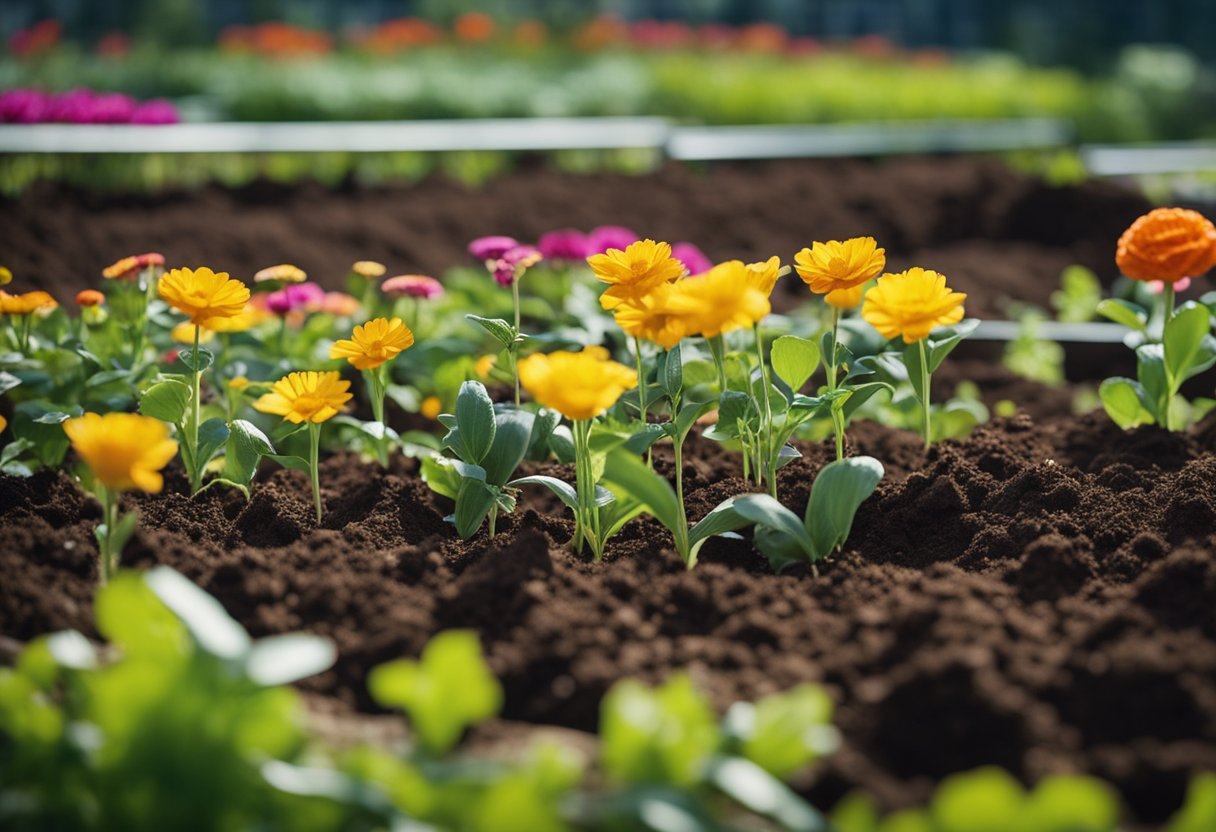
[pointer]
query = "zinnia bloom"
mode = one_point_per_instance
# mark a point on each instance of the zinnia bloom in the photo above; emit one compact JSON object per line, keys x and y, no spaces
{"x":89,"y":297}
{"x":912,"y":304}
{"x":369,"y":269}
{"x":203,"y":295}
{"x":492,"y":248}
{"x":26,"y":303}
{"x":184,"y":333}
{"x":512,"y":265}
{"x":282,"y":273}
{"x":374,"y":343}
{"x":650,"y":319}
{"x":295,"y":297}
{"x":579,"y":385}
{"x":1167,"y":244}
{"x":694,"y":260}
{"x":133,"y":265}
{"x":567,"y":245}
{"x":125,"y":451}
{"x":306,"y":397}
{"x":763,"y":275}
{"x":339,"y":304}
{"x":633,"y":272}
{"x":721,"y":300}
{"x":412,"y":286}
{"x":606,"y":237}
{"x":826,"y":267}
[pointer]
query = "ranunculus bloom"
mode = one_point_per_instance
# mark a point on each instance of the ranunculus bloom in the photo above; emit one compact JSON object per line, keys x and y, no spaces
{"x":26,"y":303}
{"x":492,"y":248}
{"x":282,"y":273}
{"x":306,"y":397}
{"x":89,"y":297}
{"x":566,"y":245}
{"x":826,"y":267}
{"x":513,"y":263}
{"x":579,"y":385}
{"x":632,"y":272}
{"x":203,"y":295}
{"x":374,"y":343}
{"x":721,"y":300}
{"x":412,"y":286}
{"x":133,"y":265}
{"x":692,"y":257}
{"x":606,"y":237}
{"x":1167,"y":244}
{"x":295,"y":297}
{"x":912,"y":304}
{"x":125,"y":451}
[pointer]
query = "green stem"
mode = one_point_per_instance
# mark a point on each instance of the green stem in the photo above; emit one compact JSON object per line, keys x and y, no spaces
{"x":314,"y":464}
{"x":196,"y":469}
{"x":375,"y":380}
{"x":924,"y":384}
{"x":837,"y":415}
{"x":637,"y":354}
{"x":582,"y":485}
{"x":769,"y":453}
{"x":681,"y":534}
{"x":515,"y":343}
{"x":24,"y":336}
{"x":718,"y":350}
{"x":109,"y":558}
{"x":1167,"y":308}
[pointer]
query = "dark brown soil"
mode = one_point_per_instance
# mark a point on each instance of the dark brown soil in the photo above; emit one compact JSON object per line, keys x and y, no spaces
{"x":1039,"y":596}
{"x":997,"y":234}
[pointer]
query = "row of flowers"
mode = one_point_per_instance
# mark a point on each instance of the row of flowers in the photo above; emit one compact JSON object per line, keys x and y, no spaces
{"x":694,"y":346}
{"x":82,"y":106}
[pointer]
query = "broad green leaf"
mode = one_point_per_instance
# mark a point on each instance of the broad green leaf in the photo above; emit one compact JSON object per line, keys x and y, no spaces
{"x":764,"y":511}
{"x":1071,"y":803}
{"x":106,"y":377}
{"x":564,"y":490}
{"x":1078,"y":297}
{"x":204,"y":617}
{"x":54,"y":417}
{"x":512,"y":433}
{"x":625,"y":472}
{"x":448,"y":689}
{"x":1189,"y":346}
{"x":1198,"y":812}
{"x":856,"y":812}
{"x":205,"y":357}
{"x":839,"y":489}
{"x":295,"y":462}
{"x":166,"y":400}
{"x":987,"y":798}
{"x":721,"y":519}
{"x":500,"y":330}
{"x":688,"y":416}
{"x":862,"y":393}
{"x":1125,"y":402}
{"x":671,"y":372}
{"x":1124,"y":312}
{"x":758,"y":790}
{"x":123,"y":529}
{"x":543,"y":424}
{"x":131,"y":617}
{"x":785,"y":732}
{"x":943,"y":341}
{"x":212,"y":434}
{"x":440,"y":477}
{"x":794,"y":360}
{"x":475,"y":422}
{"x":474,"y":499}
{"x":915,"y":363}
{"x":1150,"y":370}
{"x":7,"y":382}
{"x":283,"y":659}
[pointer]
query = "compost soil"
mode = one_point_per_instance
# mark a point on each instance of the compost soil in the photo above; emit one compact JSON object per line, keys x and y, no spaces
{"x":999,"y":235}
{"x":1037,"y":596}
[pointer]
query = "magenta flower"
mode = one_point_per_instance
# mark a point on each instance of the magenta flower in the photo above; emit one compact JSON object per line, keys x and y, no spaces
{"x":513,"y":263}
{"x":1158,"y":286}
{"x":412,"y":286}
{"x":155,"y":111}
{"x":610,"y":236}
{"x":565,"y":244}
{"x":295,"y":297}
{"x":692,"y":257}
{"x":492,"y":248}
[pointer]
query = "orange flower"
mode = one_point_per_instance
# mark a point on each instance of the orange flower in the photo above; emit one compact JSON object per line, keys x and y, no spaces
{"x":826,"y":267}
{"x":474,"y":27}
{"x":90,"y":297}
{"x":1167,"y":244}
{"x":374,"y":343}
{"x":763,"y":275}
{"x":26,"y":303}
{"x":133,"y":265}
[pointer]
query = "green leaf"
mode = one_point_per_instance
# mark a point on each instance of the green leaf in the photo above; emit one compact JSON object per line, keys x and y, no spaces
{"x":916,"y":376}
{"x":671,"y":373}
{"x":942,"y":342}
{"x":246,"y":446}
{"x":1189,"y":346}
{"x":758,"y":790}
{"x":295,"y":462}
{"x":124,"y":529}
{"x":500,"y":330}
{"x":862,"y":393}
{"x":131,"y":617}
{"x":1125,"y":402}
{"x":165,"y":400}
{"x":1198,"y":812}
{"x":543,"y":424}
{"x":764,"y":511}
{"x":624,"y":472}
{"x":446,"y":691}
{"x":7,"y":382}
{"x":987,"y":798}
{"x":216,"y":632}
{"x":106,"y":377}
{"x":1124,"y":312}
{"x":721,"y":519}
{"x":283,"y":659}
{"x":475,"y":424}
{"x":564,"y":490}
{"x":212,"y":434}
{"x":785,"y":732}
{"x":54,"y":417}
{"x":205,"y":357}
{"x":512,"y":434}
{"x":836,"y":494}
{"x":1078,"y":297}
{"x":734,"y":408}
{"x":440,"y":476}
{"x":474,"y":499}
{"x":856,"y":812}
{"x":1150,"y":370}
{"x":794,"y":360}
{"x":688,"y":416}
{"x":1071,"y":803}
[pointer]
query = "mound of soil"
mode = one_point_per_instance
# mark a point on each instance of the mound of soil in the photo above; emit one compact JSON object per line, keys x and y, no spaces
{"x":1038,"y":596}
{"x":997,"y":234}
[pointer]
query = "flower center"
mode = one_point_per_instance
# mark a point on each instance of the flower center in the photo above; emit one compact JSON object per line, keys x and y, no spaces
{"x":308,"y":404}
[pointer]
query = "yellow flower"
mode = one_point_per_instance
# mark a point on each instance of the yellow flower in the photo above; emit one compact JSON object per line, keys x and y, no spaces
{"x":845,"y":298}
{"x":431,"y":407}
{"x":245,"y":320}
{"x":183,"y":333}
{"x":282,"y":273}
{"x":26,"y":303}
{"x":635,"y":271}
{"x":239,"y":383}
{"x":827,"y":267}
{"x":125,"y":451}
{"x":649,"y":317}
{"x":721,"y":300}
{"x":484,"y":365}
{"x":374,"y":343}
{"x":912,"y":304}
{"x":6,"y":276}
{"x":368,"y":268}
{"x":306,"y":397}
{"x":3,"y":424}
{"x":203,"y":295}
{"x":763,"y":275}
{"x":579,"y":385}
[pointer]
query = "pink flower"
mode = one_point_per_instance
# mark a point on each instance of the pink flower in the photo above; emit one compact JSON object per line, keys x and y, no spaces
{"x":294,"y":298}
{"x":566,"y":244}
{"x":511,"y":266}
{"x":610,"y":236}
{"x":1158,"y":286}
{"x":692,"y":257}
{"x":412,"y":286}
{"x":491,"y":248}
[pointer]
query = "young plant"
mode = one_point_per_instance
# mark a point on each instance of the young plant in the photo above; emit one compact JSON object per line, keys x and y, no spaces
{"x":203,"y":296}
{"x":309,"y":398}
{"x":507,"y":261}
{"x":124,"y":452}
{"x":131,"y":284}
{"x":370,"y":348}
{"x":911,"y":305}
{"x":21,"y":310}
{"x":410,"y":290}
{"x":1167,"y":246}
{"x":362,"y":282}
{"x":837,"y":270}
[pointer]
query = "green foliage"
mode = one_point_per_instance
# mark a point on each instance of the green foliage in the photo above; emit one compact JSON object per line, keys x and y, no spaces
{"x":786,"y":732}
{"x":1031,"y":356}
{"x":1077,"y":299}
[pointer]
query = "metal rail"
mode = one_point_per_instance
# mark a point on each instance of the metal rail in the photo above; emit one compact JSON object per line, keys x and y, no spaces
{"x":1171,"y":157}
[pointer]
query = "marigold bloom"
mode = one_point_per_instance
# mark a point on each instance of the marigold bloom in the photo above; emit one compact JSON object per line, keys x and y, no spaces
{"x":6,"y":276}
{"x":26,"y":303}
{"x":721,"y":300}
{"x":125,"y":451}
{"x":493,"y":247}
{"x":184,"y":333}
{"x":634,"y":271}
{"x":282,"y":273}
{"x":826,"y":267}
{"x":306,"y":397}
{"x":249,"y":317}
{"x":374,"y":343}
{"x":763,"y":275}
{"x":579,"y":385}
{"x":203,"y":295}
{"x":912,"y":304}
{"x":369,"y":269}
{"x":431,"y":407}
{"x":1167,"y":244}
{"x":844,"y":299}
{"x":89,"y":297}
{"x":650,"y":318}
{"x":133,"y":265}
{"x":484,"y":365}
{"x":412,"y":286}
